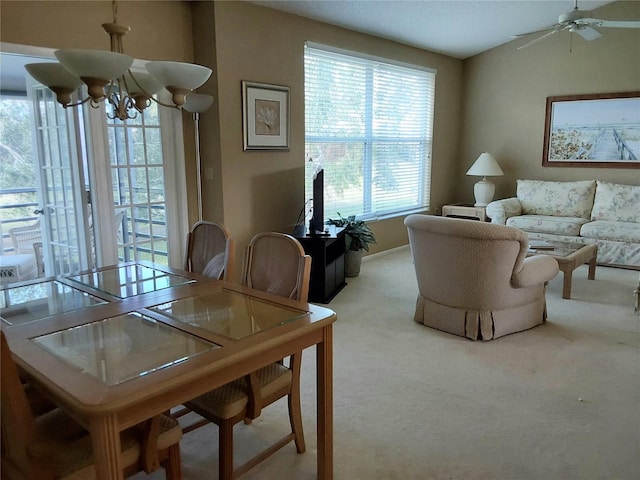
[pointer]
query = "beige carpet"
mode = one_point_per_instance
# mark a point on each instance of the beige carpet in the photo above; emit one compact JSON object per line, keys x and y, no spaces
{"x":558,"y":402}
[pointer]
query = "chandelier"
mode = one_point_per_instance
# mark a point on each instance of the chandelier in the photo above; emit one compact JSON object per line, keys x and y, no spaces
{"x":109,"y":79}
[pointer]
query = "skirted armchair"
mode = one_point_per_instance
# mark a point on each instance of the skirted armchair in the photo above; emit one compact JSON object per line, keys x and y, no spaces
{"x":474,"y":279}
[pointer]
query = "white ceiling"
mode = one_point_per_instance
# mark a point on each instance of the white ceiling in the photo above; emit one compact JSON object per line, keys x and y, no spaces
{"x":458,"y":28}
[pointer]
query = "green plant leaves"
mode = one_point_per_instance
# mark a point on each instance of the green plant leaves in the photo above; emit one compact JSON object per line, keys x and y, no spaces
{"x":359,"y":235}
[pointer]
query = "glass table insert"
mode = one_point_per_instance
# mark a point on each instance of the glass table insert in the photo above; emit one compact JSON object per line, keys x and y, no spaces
{"x":555,"y":249}
{"x":39,"y":300}
{"x":128,"y":280}
{"x":122,"y":348}
{"x":228,"y":313}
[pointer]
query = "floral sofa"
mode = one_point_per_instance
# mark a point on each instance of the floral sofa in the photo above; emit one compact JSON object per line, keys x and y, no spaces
{"x":591,"y":211}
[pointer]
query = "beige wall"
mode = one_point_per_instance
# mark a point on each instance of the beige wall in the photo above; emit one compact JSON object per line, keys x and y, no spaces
{"x":264,"y":190}
{"x":493,"y":102}
{"x":505,"y":91}
{"x":159,"y":30}
{"x":248,"y":191}
{"x":204,"y":33}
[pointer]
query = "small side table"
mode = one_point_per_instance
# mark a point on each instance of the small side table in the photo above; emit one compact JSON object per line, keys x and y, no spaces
{"x":465,"y":210}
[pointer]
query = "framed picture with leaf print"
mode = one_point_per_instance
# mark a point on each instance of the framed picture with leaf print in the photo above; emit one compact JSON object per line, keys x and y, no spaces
{"x":265,"y":116}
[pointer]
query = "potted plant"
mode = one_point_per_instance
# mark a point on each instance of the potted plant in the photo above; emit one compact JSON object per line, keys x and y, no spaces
{"x":358,"y":237}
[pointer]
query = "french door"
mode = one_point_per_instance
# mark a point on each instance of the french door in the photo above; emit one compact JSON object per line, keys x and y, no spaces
{"x":109,"y":190}
{"x":61,"y":192}
{"x":140,"y":187}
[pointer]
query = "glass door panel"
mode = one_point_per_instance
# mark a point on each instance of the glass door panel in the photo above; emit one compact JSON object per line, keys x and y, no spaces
{"x":64,"y":205}
{"x":138,"y":183}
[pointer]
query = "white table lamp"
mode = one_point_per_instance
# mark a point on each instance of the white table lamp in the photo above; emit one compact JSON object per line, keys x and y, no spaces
{"x":485,"y":166}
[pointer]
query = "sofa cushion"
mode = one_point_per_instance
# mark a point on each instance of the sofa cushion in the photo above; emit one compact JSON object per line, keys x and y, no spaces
{"x":611,"y":230}
{"x":616,"y":202}
{"x":562,"y":199}
{"x":548,"y":224}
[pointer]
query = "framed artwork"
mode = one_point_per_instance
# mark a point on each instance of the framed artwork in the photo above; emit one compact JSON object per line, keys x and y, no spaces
{"x":601,"y":130}
{"x":265,"y":116}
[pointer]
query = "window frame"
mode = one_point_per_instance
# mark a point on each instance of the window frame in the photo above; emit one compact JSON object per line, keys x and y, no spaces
{"x":369,"y":139}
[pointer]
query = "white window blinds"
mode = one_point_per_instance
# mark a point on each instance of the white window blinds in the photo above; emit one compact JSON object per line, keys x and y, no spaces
{"x":369,"y":124}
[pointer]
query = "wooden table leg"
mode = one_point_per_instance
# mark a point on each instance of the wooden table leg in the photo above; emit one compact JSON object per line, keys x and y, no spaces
{"x":592,"y":268}
{"x":105,"y":437}
{"x":324,"y":372}
{"x":566,"y":284}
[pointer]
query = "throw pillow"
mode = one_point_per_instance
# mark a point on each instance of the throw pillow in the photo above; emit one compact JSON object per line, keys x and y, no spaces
{"x":562,"y":199}
{"x":616,"y":202}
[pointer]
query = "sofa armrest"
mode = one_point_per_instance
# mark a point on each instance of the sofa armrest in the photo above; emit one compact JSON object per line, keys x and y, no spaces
{"x":499,"y":210}
{"x":535,"y":270}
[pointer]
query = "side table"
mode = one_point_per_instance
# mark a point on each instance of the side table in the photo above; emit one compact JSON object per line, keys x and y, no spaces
{"x":465,"y":210}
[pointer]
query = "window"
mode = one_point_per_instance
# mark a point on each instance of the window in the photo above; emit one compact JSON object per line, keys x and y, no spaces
{"x":369,"y":124}
{"x":18,"y":197}
{"x":137,"y":180}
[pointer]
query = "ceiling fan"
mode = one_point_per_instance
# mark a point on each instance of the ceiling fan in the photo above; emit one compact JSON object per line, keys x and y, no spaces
{"x":580,"y":22}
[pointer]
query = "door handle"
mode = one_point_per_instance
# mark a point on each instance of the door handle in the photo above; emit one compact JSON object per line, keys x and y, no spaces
{"x":38,"y":211}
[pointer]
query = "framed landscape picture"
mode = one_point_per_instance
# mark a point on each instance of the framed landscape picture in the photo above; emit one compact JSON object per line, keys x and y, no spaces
{"x":601,"y":130}
{"x":265,"y":116}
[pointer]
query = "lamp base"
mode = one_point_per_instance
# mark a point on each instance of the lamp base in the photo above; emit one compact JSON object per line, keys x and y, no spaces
{"x":483,"y":191}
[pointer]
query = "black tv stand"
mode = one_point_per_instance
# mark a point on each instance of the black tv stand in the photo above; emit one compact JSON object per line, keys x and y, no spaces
{"x":327,"y":251}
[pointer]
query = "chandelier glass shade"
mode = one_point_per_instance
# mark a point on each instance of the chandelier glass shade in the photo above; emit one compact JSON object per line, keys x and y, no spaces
{"x":108,"y":76}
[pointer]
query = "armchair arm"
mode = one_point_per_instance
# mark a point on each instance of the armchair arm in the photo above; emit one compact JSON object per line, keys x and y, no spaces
{"x":499,"y":210}
{"x":535,"y":271}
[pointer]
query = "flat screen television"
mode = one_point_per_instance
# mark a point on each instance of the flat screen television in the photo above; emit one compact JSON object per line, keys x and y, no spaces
{"x":316,"y":225}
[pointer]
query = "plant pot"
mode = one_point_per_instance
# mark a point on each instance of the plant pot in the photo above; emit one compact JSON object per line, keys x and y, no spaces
{"x":352,"y":261}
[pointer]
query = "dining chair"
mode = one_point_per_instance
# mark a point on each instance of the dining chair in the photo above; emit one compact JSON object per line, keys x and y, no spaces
{"x":275,"y":263}
{"x":210,"y":250}
{"x":52,"y":445}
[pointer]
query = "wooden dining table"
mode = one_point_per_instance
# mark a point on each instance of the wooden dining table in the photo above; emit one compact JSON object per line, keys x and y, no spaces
{"x":118,"y":345}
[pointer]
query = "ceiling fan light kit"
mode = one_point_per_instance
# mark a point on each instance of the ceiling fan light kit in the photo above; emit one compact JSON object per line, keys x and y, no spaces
{"x":580,"y":22}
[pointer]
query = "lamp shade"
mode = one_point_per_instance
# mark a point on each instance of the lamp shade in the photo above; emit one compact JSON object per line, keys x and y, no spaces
{"x":485,"y":166}
{"x":57,"y":78}
{"x":140,"y":83}
{"x":180,"y":75}
{"x":53,"y":75}
{"x":94,"y":63}
{"x":197,"y":103}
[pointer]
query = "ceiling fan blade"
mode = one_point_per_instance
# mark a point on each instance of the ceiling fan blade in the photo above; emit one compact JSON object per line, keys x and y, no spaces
{"x":559,"y":28}
{"x":594,"y":22}
{"x":519,"y":35}
{"x":587,"y":32}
